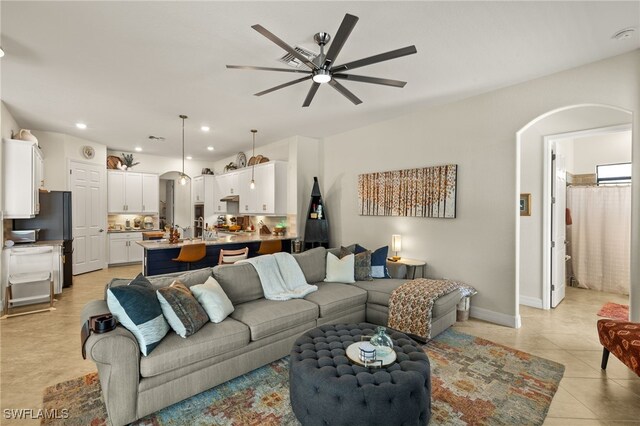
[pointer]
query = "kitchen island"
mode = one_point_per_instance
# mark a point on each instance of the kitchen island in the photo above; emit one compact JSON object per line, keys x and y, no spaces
{"x":158,"y":254}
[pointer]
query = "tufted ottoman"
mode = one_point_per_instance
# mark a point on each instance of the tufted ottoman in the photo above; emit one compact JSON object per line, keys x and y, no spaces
{"x":328,"y":389}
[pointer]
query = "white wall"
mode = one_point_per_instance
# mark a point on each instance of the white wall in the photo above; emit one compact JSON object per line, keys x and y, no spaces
{"x":590,"y":151}
{"x":7,"y":126}
{"x":480,"y":246}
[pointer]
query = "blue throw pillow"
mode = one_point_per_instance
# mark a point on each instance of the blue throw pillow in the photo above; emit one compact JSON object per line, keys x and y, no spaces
{"x":359,"y":249}
{"x":137,"y":308}
{"x":379,"y":263}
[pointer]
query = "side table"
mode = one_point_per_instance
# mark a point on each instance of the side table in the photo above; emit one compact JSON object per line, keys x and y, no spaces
{"x":413,"y":264}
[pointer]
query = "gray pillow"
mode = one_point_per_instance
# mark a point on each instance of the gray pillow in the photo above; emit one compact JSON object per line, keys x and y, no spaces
{"x":313,"y":264}
{"x":240,"y":282}
{"x":362,"y":263}
{"x":181,"y":309}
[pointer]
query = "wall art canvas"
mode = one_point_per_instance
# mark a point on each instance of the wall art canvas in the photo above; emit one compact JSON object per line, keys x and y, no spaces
{"x":423,"y":192}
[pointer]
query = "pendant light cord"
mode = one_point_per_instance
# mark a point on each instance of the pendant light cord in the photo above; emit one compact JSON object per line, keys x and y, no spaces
{"x":183,"y":117}
{"x":253,"y":167}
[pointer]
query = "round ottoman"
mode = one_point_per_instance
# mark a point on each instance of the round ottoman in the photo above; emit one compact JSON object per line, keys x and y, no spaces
{"x":326,"y":388}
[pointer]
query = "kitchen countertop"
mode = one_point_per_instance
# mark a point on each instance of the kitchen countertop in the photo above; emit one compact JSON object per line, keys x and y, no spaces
{"x":37,"y":244}
{"x":222,"y":239}
{"x":117,"y":231}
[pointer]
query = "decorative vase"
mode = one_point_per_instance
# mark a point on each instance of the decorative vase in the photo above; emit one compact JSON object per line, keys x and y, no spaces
{"x":25,"y":135}
{"x":382,"y":342}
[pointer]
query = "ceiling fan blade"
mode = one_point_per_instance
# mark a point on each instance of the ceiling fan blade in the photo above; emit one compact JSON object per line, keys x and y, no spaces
{"x":393,"y":54}
{"x":373,"y":80}
{"x":343,"y":33}
{"x":285,"y":46}
{"x":311,"y":94}
{"x":289,"y":83}
{"x":250,"y":67}
{"x":345,"y":92}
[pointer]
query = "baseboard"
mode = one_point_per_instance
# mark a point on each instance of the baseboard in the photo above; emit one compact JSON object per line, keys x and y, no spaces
{"x":534,"y":302}
{"x":495,"y":317}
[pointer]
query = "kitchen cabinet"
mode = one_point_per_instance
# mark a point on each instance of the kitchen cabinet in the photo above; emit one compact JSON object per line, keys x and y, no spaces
{"x":22,"y":167}
{"x":247,"y":195}
{"x":123,"y":247}
{"x":223,"y":186}
{"x":198,"y":190}
{"x":269,"y":197}
{"x":132,"y":192}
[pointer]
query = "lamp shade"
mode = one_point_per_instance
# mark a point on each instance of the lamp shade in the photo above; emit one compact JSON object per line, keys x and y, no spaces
{"x":396,"y":243}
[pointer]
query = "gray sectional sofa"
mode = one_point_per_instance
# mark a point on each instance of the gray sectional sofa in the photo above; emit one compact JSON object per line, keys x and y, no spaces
{"x":259,"y":331}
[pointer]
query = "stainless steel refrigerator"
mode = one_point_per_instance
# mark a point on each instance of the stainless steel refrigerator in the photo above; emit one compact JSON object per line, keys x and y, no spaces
{"x":54,"y":222}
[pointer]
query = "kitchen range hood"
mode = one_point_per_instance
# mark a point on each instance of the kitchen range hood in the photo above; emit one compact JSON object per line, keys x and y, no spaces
{"x":228,"y":198}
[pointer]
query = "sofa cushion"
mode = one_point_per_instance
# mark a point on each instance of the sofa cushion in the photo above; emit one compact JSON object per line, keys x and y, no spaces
{"x":313,"y":264}
{"x":213,"y":339}
{"x":182,"y":311}
{"x":213,"y":300}
{"x":188,"y":278}
{"x":340,"y":270}
{"x":379,"y":292}
{"x":332,"y":298}
{"x":240,"y":282}
{"x":267,"y":317}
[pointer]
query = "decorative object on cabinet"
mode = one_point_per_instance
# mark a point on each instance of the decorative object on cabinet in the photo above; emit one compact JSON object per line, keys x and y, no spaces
{"x":113,"y":161}
{"x":127,"y":160}
{"x":25,"y":135}
{"x":241,"y":160}
{"x":183,"y":177}
{"x":206,"y":171}
{"x":396,"y":246}
{"x":230,"y":166}
{"x":316,"y":231}
{"x":525,"y":204}
{"x":88,"y":152}
{"x":263,"y":159}
{"x":423,"y":192}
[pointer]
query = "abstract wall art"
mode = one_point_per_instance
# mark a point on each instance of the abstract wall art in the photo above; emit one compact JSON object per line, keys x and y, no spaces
{"x":423,"y":192}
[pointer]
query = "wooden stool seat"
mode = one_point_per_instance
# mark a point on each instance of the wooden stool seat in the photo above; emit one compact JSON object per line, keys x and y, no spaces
{"x":190,"y":253}
{"x":228,"y":257}
{"x":270,"y":247}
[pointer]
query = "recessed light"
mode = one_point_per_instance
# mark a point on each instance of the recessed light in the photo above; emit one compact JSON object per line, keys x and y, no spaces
{"x":210,"y":148}
{"x":624,"y":34}
{"x":137,"y":148}
{"x":81,"y":126}
{"x":205,"y":128}
{"x":188,"y":157}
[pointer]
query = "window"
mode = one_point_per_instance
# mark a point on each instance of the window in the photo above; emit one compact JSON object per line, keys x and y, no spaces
{"x":613,"y":174}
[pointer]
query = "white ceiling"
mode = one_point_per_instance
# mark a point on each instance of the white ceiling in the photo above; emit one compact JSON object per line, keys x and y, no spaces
{"x":128,"y":69}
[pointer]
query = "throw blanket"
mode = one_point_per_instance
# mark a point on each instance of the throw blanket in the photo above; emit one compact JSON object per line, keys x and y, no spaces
{"x":410,"y":304}
{"x":281,"y":276}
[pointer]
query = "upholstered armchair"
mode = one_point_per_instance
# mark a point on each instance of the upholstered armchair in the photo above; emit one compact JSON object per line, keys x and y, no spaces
{"x":622,"y":338}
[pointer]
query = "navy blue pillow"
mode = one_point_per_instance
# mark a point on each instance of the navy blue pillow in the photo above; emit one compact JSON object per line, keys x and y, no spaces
{"x":359,"y":249}
{"x":379,"y":263}
{"x":137,"y":308}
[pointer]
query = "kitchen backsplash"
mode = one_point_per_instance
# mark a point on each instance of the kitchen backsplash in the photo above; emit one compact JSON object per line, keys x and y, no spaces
{"x":116,"y":221}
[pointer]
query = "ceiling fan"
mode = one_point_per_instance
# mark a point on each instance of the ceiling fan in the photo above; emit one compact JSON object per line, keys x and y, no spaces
{"x":321,"y":67}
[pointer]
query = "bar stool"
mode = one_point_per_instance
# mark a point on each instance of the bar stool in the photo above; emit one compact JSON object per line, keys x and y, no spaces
{"x":190,"y":253}
{"x":270,"y":247}
{"x":228,"y":257}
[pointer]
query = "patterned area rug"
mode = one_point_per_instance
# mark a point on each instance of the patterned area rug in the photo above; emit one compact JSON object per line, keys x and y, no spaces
{"x":614,"y":311}
{"x":474,"y":381}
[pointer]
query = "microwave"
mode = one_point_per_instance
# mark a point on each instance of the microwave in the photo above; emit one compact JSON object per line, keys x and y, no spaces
{"x":25,"y":236}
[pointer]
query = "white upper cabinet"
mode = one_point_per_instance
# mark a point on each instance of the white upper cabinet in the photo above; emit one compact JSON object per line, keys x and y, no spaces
{"x":150,"y":193}
{"x":247,"y":195}
{"x":198,"y":190}
{"x":271,"y":189}
{"x":209,"y":187}
{"x":132,"y":192}
{"x":22,"y":178}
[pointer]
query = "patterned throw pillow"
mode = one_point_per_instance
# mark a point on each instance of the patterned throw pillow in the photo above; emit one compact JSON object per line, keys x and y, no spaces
{"x":181,"y":309}
{"x":362,"y":262}
{"x":213,"y":299}
{"x":136,"y":307}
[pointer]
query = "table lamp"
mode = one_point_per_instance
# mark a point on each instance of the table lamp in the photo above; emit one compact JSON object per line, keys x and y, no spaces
{"x":396,"y":246}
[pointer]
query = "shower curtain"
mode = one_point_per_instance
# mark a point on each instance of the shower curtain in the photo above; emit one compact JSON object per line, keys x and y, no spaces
{"x":601,"y":236}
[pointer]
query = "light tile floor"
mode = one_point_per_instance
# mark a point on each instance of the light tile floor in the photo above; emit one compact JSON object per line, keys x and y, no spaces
{"x":40,"y":350}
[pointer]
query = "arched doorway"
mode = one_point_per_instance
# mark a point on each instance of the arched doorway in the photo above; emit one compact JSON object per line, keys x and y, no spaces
{"x":534,"y":167}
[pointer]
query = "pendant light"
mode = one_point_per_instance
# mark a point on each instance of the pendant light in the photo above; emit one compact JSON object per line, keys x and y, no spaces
{"x":183,"y":177}
{"x":252,"y":185}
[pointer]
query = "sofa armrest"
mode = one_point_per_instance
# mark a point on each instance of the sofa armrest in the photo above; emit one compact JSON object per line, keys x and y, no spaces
{"x":396,"y":270}
{"x":117,"y":356}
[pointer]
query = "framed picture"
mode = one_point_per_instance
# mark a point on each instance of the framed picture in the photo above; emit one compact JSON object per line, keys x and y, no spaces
{"x":525,"y":204}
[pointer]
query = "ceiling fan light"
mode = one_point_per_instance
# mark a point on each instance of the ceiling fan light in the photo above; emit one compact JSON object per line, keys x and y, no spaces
{"x":322,"y":76}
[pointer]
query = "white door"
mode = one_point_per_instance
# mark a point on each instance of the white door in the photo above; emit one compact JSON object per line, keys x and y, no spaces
{"x":558,"y":227}
{"x":133,"y":192}
{"x":88,"y":216}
